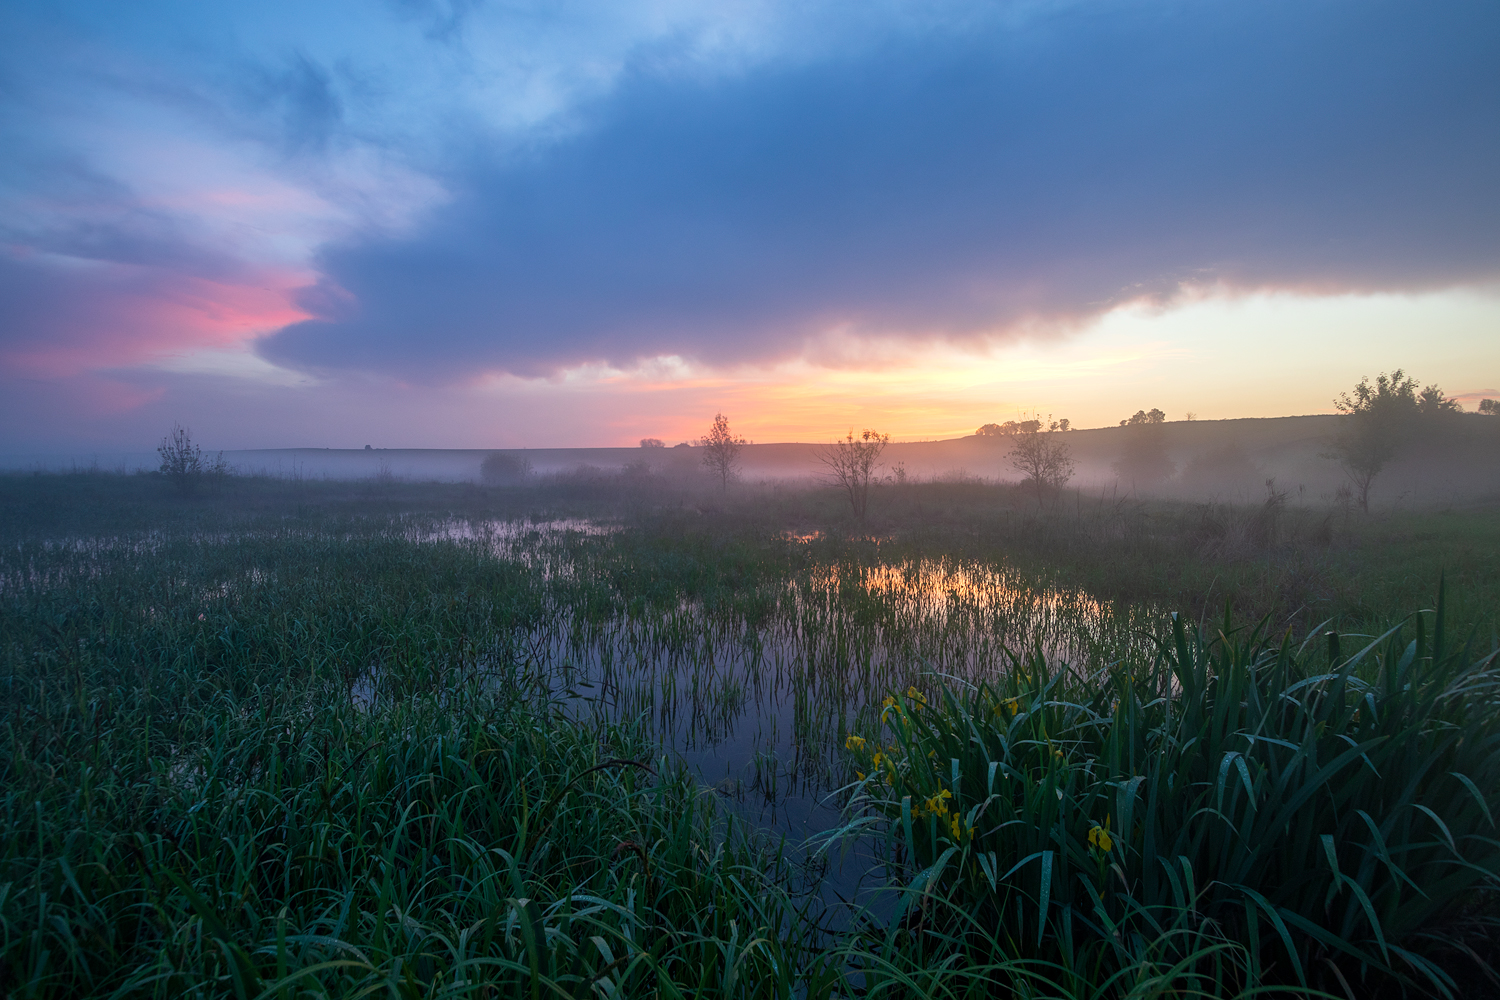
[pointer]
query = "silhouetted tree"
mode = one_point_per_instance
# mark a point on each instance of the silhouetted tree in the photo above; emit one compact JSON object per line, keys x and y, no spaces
{"x":1490,"y":407}
{"x":652,"y":443}
{"x":1145,"y":458}
{"x":1142,"y":418}
{"x":1377,"y":418}
{"x":721,"y":450}
{"x":851,"y":465}
{"x":1042,"y":458}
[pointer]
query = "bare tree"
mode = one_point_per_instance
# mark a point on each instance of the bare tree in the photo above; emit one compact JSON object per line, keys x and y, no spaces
{"x":652,"y":443}
{"x":721,"y":450}
{"x":851,"y":465}
{"x":1042,"y":457}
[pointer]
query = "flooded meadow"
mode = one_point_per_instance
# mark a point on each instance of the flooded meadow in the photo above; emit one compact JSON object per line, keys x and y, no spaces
{"x":424,"y":754}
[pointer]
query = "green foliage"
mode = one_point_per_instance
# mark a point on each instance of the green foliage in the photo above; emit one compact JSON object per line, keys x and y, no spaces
{"x":293,"y":765}
{"x":1333,"y":812}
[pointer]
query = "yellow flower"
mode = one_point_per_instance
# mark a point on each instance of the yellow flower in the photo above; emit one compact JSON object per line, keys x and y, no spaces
{"x":854,"y":742}
{"x":878,"y":758}
{"x":1099,"y":837}
{"x":889,"y":701}
{"x":1013,"y":706}
{"x":917,"y":698}
{"x":860,"y":775}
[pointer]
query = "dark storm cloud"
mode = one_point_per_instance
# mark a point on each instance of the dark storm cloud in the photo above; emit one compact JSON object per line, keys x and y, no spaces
{"x":953,"y":187}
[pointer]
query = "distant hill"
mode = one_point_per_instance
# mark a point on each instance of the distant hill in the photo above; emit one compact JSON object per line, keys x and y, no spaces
{"x":1223,"y":459}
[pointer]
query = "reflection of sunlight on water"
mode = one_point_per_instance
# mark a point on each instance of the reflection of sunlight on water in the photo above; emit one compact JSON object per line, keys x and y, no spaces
{"x":760,"y":706}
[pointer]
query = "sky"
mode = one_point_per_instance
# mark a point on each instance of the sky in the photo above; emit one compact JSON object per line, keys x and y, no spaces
{"x":469,"y":223}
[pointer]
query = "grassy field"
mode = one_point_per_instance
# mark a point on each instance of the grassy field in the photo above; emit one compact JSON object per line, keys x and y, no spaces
{"x":326,"y":739}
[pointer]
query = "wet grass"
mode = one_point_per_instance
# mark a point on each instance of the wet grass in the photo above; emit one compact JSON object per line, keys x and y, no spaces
{"x":344,"y":739}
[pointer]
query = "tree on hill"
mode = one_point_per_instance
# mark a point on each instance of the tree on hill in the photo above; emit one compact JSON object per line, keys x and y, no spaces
{"x":1377,"y":419}
{"x":1490,"y":407}
{"x":721,"y":450}
{"x":653,"y":443}
{"x":1141,"y":418}
{"x":1144,"y":460}
{"x":1011,"y":428}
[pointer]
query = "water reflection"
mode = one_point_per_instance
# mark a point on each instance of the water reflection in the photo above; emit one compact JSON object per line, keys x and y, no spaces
{"x":760,"y":709}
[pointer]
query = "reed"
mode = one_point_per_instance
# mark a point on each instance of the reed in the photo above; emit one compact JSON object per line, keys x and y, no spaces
{"x":1331,"y":809}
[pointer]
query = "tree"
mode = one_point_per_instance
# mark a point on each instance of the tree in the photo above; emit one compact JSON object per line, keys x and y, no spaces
{"x":652,"y":443}
{"x":1377,"y":417}
{"x":1042,"y":458}
{"x":851,"y":465}
{"x":721,"y":450}
{"x":1010,"y":428}
{"x":1142,"y":418}
{"x":1145,"y":458}
{"x":1490,"y":407}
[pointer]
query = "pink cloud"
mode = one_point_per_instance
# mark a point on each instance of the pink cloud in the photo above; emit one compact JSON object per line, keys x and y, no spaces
{"x":61,"y":317}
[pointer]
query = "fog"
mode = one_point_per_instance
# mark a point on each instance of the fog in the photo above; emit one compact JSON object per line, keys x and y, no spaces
{"x":1207,"y":460}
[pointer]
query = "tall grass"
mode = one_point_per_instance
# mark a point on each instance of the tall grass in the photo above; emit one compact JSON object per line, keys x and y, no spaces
{"x":315,"y":754}
{"x":1331,"y":809}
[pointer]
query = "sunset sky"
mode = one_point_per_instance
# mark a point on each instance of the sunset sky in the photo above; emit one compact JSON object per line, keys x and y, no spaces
{"x":462,"y":223}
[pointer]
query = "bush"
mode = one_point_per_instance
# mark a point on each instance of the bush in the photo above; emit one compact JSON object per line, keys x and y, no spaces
{"x":1335,"y":813}
{"x":500,"y":469}
{"x":182,"y":462}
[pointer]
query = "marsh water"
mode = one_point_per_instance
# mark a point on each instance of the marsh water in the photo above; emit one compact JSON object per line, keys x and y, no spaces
{"x":758,"y":694}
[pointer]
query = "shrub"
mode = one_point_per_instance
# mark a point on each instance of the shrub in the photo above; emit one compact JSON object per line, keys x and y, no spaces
{"x":183,"y":464}
{"x":500,"y":469}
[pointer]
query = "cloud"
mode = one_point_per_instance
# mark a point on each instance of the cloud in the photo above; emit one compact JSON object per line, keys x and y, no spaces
{"x":944,"y":185}
{"x":66,"y":316}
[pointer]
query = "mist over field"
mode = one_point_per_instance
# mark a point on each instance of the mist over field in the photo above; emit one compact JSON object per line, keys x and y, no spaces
{"x":1204,"y":460}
